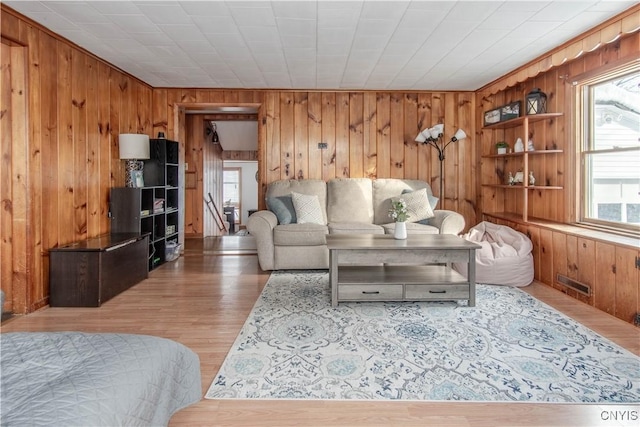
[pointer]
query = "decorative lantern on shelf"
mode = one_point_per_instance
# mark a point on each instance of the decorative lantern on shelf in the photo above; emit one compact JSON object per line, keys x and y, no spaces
{"x":536,"y":102}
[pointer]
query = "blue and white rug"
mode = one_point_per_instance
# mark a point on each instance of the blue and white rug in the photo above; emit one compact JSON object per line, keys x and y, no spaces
{"x":510,"y":347}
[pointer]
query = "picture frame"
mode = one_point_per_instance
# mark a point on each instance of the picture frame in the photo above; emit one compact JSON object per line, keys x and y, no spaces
{"x":510,"y":111}
{"x":492,"y":116}
{"x":519,"y":177}
{"x":137,"y":177}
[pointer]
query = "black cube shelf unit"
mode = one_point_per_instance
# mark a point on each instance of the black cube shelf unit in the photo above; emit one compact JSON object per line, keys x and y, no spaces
{"x":153,"y":208}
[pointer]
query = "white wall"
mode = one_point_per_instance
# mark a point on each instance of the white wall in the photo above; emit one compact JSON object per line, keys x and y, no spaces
{"x":249,"y":198}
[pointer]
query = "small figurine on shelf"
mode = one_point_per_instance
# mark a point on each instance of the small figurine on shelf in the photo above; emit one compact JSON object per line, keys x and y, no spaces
{"x":532,"y":179}
{"x":512,"y":180}
{"x":530,"y":146}
{"x":518,"y":147}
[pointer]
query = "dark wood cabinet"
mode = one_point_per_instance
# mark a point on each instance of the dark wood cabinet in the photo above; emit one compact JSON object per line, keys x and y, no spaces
{"x":90,"y":272}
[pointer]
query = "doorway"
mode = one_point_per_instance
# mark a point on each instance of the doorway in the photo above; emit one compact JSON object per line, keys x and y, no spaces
{"x":240,"y":192}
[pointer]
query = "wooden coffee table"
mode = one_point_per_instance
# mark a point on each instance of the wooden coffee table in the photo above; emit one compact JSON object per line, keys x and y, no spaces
{"x":376,"y":267}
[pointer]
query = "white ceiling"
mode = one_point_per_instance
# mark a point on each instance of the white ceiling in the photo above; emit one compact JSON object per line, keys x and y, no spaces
{"x":238,"y":135}
{"x":398,"y":45}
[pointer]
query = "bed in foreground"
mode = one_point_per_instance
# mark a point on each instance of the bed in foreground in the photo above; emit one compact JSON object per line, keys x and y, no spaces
{"x":73,"y":378}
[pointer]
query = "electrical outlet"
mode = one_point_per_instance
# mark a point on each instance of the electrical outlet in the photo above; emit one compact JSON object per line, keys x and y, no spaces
{"x":322,"y":145}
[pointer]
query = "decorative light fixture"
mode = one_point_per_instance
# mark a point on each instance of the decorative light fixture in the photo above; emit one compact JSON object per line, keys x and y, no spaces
{"x":133,"y":148}
{"x":212,"y":130}
{"x":536,"y":102}
{"x":433,"y":137}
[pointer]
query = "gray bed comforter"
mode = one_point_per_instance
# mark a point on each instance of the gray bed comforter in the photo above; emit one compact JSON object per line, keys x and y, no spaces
{"x":79,"y":379}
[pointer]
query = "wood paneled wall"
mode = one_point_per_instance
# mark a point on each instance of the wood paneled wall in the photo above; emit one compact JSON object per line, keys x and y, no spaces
{"x":606,"y":267}
{"x":63,"y":153}
{"x":605,"y":264}
{"x":13,"y":175}
{"x":368,"y":134}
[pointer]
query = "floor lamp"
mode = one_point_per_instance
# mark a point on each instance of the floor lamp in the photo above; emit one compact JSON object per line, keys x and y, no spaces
{"x":433,"y":137}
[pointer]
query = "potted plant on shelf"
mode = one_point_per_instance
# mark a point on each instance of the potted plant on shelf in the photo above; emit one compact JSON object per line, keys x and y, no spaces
{"x":502,"y":147}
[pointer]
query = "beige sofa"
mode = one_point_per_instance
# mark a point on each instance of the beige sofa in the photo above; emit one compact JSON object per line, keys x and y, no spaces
{"x":348,"y":205}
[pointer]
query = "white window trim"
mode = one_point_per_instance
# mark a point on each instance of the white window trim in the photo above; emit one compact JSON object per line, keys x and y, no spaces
{"x":610,"y":71}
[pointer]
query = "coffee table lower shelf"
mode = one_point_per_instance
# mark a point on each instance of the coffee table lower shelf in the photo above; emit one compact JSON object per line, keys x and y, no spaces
{"x":401,"y":283}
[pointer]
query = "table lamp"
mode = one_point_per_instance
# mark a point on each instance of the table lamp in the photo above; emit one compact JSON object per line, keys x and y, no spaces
{"x":134,"y":148}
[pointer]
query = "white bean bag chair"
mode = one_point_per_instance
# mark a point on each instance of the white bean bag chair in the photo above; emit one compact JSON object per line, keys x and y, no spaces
{"x":505,"y":257}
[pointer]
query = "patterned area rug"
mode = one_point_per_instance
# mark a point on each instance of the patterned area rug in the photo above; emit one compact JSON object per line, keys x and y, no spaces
{"x":510,"y":347}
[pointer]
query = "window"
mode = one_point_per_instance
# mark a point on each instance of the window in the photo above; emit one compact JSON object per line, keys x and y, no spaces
{"x":231,"y":191}
{"x":610,"y":149}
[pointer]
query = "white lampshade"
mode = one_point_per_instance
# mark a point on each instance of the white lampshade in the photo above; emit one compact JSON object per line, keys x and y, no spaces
{"x":437,"y":131}
{"x":422,"y":136}
{"x":460,"y":135}
{"x":133,"y":146}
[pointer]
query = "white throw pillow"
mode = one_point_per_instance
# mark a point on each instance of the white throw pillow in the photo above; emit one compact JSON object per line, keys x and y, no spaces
{"x":418,"y":206}
{"x":308,"y":210}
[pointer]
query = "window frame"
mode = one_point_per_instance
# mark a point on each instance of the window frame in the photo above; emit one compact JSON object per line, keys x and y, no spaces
{"x":582,"y":86}
{"x":237,"y":216}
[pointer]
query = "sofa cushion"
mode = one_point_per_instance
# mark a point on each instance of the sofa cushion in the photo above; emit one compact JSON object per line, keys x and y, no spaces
{"x":354,"y":228}
{"x":308,"y":210}
{"x":350,"y":200}
{"x":282,"y":206}
{"x":418,"y":207}
{"x":386,"y":188}
{"x":300,"y":235}
{"x":412,"y":228}
{"x":433,"y":201}
{"x":303,"y":186}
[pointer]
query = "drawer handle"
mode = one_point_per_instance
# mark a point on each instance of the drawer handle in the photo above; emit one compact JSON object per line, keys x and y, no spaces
{"x":437,"y":292}
{"x":370,"y":292}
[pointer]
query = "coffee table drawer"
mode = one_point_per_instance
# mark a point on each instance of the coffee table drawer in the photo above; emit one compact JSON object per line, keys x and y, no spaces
{"x":369,"y":292}
{"x":445,"y":292}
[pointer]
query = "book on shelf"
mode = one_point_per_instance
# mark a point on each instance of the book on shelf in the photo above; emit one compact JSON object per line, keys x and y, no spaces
{"x":158,"y":205}
{"x":145,"y":212}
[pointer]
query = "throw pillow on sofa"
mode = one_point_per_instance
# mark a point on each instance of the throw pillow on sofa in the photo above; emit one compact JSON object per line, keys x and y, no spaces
{"x":418,"y":206}
{"x":308,"y":210}
{"x":282,"y":207}
{"x":433,"y":201}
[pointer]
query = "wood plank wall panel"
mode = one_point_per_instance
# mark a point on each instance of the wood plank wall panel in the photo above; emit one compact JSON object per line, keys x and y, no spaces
{"x":6,"y":219}
{"x":194,"y":202}
{"x":604,"y":281}
{"x":20,"y":203}
{"x":50,"y":166}
{"x":356,"y":134}
{"x":342,"y":149}
{"x":328,"y":124}
{"x":65,"y":157}
{"x":35,"y":224}
{"x":314,"y":113}
{"x":627,"y":304}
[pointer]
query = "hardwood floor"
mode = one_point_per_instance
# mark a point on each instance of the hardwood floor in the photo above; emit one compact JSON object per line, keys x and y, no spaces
{"x":202,"y":301}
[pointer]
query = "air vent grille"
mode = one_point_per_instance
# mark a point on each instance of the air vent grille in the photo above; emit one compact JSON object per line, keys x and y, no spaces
{"x":573,"y":284}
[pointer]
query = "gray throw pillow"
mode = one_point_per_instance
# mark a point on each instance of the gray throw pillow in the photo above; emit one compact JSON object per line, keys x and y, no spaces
{"x":282,"y":207}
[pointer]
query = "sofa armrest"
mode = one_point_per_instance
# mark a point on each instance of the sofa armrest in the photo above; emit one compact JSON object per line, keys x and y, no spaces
{"x":448,"y":222}
{"x":260,"y":225}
